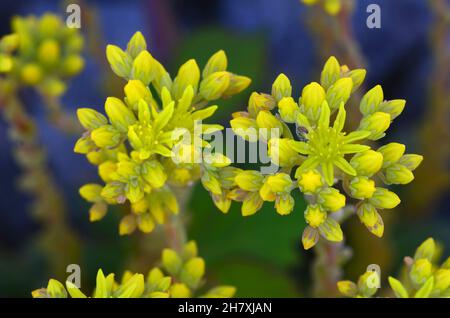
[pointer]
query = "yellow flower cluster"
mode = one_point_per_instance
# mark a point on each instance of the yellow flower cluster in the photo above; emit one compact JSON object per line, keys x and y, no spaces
{"x":332,"y":7}
{"x":181,"y":276}
{"x":41,"y":52}
{"x":421,"y":277}
{"x":316,"y":155}
{"x":135,"y":146}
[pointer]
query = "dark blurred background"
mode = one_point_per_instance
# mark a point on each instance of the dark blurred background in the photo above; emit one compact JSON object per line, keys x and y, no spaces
{"x":261,"y":255}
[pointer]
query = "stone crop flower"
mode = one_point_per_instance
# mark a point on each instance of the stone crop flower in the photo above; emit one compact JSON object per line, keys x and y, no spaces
{"x":422,"y":277}
{"x":332,"y":7}
{"x":139,"y":145}
{"x":41,"y":52}
{"x":181,"y":276}
{"x":332,"y":166}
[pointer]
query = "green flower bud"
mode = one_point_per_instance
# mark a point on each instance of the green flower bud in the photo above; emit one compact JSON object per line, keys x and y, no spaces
{"x":411,"y":161}
{"x":213,"y":86}
{"x":236,"y":85}
{"x":315,"y":215}
{"x":369,"y":216}
{"x":105,"y":136}
{"x":398,"y":174}
{"x":392,"y":153}
{"x":153,"y":172}
{"x":371,"y":101}
{"x":420,"y":271}
{"x":426,"y":250}
{"x":331,"y":73}
{"x":312,"y":98}
{"x":384,"y":199}
{"x":249,"y":180}
{"x":284,"y":204}
{"x":121,"y":116}
{"x":136,"y":45}
{"x":288,"y":109}
{"x":357,"y":76}
{"x":393,"y":107}
{"x":90,"y":119}
{"x":339,"y":92}
{"x":281,"y":87}
{"x":188,"y":74}
{"x":377,"y":123}
{"x":362,"y":188}
{"x":368,"y":284}
{"x":216,"y":63}
{"x":331,"y":230}
{"x":119,"y":60}
{"x":330,"y":199}
{"x":143,"y":68}
{"x":347,"y":288}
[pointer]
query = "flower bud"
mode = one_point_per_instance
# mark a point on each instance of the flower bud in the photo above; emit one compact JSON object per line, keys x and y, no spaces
{"x":392,"y":153}
{"x":331,"y":230}
{"x":377,"y":123}
{"x":49,"y":25}
{"x":145,"y":222}
{"x":312,"y":98}
{"x":178,"y":290}
{"x":249,"y":180}
{"x":368,"y":284}
{"x":90,"y":119}
{"x":120,"y":115}
{"x":420,"y":271}
{"x":135,"y":90}
{"x":398,"y":174}
{"x":362,"y":188}
{"x":153,"y":172}
{"x":411,"y":161}
{"x":31,"y":74}
{"x":330,"y":73}
{"x":9,"y":43}
{"x":284,"y":204}
{"x":281,"y":152}
{"x":171,"y":261}
{"x":49,"y":52}
{"x":288,"y":109}
{"x":310,"y":237}
{"x":393,"y":107}
{"x":72,"y":65}
{"x":188,"y":74}
{"x":245,"y":127}
{"x":279,"y":183}
{"x":216,"y":63}
{"x":371,"y":101}
{"x":91,"y":192}
{"x":105,"y":136}
{"x":84,"y":145}
{"x":251,"y":204}
{"x":384,"y":199}
{"x":426,"y":250}
{"x":260,"y":101}
{"x":339,"y":92}
{"x":213,"y":86}
{"x":310,"y":181}
{"x":266,"y":120}
{"x":357,"y":76}
{"x":6,"y":63}
{"x":347,"y":288}
{"x":192,"y":272}
{"x":236,"y":85}
{"x":315,"y":215}
{"x":369,"y":216}
{"x":211,"y":183}
{"x":97,"y":211}
{"x":143,"y":68}
{"x":127,"y":225}
{"x":119,"y":60}
{"x":330,"y":199}
{"x":136,"y":45}
{"x":281,"y":87}
{"x":441,"y":280}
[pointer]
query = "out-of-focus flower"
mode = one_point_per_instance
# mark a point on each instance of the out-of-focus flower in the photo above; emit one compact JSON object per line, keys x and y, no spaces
{"x":41,"y":52}
{"x":332,"y":7}
{"x":146,"y":144}
{"x":333,"y":167}
{"x":422,"y":278}
{"x":180,"y":276}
